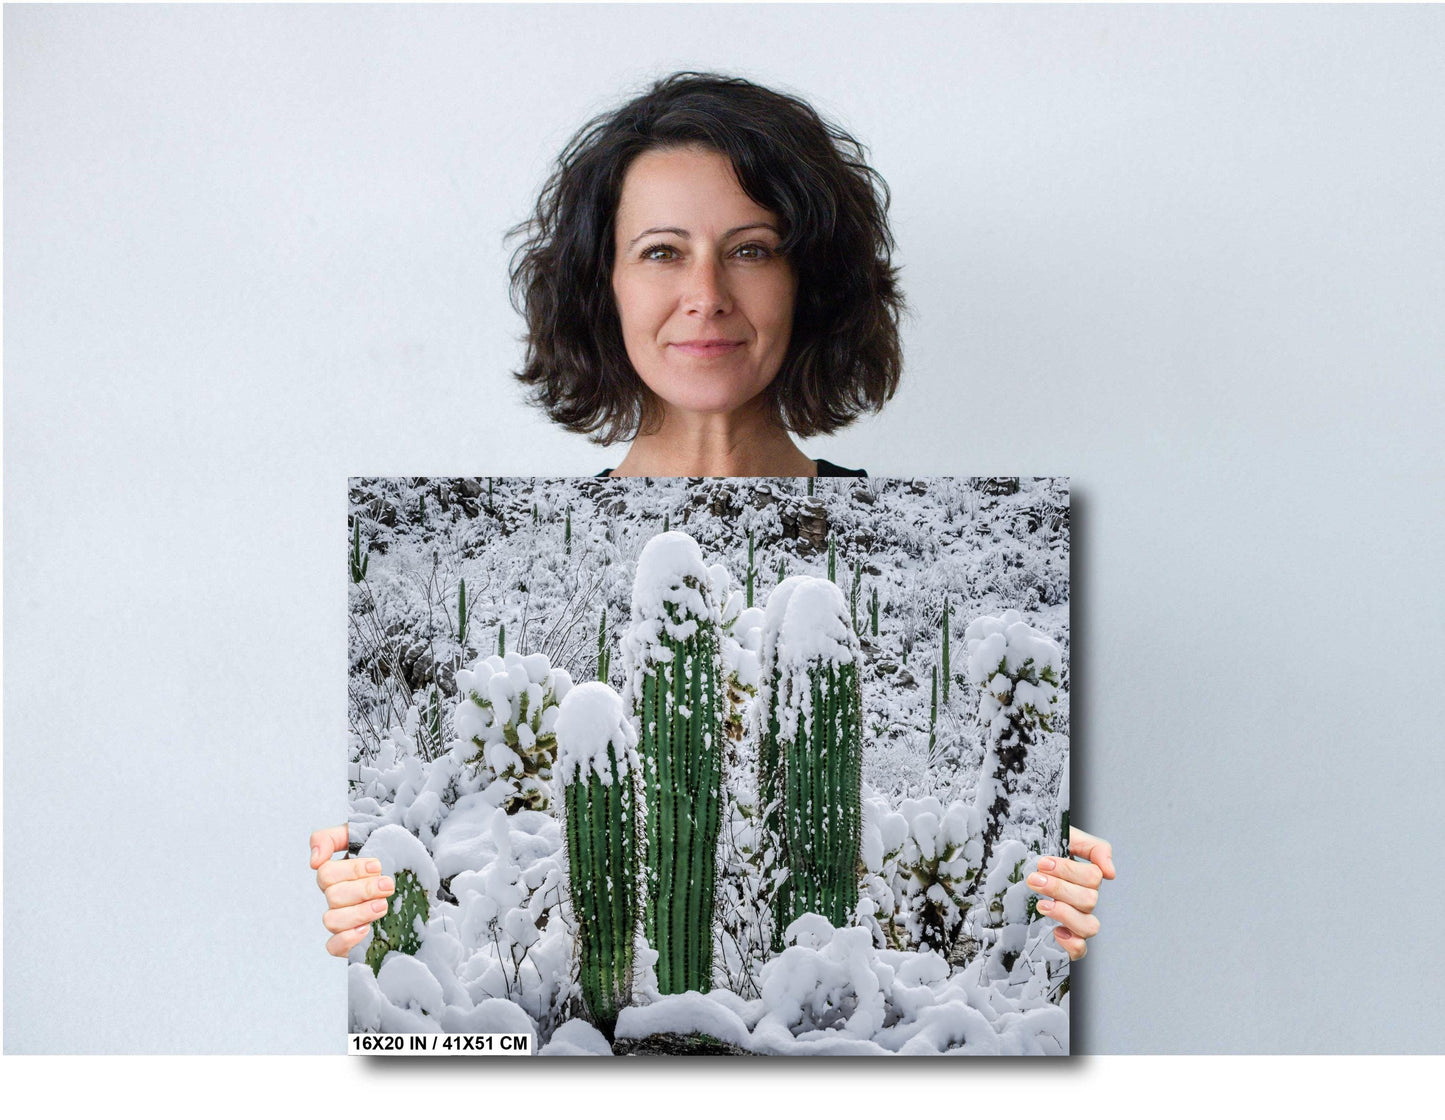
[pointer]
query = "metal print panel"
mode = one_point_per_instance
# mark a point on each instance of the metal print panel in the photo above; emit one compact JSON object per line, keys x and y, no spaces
{"x":726,"y":766}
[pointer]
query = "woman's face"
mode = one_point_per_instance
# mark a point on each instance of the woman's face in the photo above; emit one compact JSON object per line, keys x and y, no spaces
{"x":705,"y":300}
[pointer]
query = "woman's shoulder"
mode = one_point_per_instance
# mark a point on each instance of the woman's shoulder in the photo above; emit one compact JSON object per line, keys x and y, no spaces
{"x":833,"y":470}
{"x":825,"y":470}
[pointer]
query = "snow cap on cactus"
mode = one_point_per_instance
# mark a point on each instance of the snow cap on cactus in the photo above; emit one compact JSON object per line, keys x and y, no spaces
{"x":671,"y":594}
{"x":673,"y":584}
{"x":777,"y":607}
{"x":816,"y":626}
{"x":1007,"y":638}
{"x":591,"y":720}
{"x":399,"y":850}
{"x":998,"y":648}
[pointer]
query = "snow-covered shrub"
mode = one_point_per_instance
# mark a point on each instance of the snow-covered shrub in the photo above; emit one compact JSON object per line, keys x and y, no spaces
{"x":675,"y":683}
{"x":820,"y":730}
{"x":510,"y":940}
{"x":406,"y":860}
{"x":1017,"y":671}
{"x":596,"y":755}
{"x":508,"y":712}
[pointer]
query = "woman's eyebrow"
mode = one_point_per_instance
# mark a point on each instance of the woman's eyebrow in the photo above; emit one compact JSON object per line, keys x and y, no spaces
{"x":682,"y":233}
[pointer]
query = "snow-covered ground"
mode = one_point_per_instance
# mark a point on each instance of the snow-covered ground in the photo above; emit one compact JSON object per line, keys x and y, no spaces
{"x":940,"y":957}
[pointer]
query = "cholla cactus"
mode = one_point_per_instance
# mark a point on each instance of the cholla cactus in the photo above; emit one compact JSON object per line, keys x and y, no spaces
{"x":676,"y":685}
{"x":508,"y":712}
{"x":820,"y":738}
{"x":596,"y":757}
{"x":406,"y":860}
{"x":1017,"y":670}
{"x":937,"y":869}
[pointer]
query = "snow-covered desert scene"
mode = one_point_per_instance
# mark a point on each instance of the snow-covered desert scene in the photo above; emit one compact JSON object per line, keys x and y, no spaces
{"x":711,"y":766}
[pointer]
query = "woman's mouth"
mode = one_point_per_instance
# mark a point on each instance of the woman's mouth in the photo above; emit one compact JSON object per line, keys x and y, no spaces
{"x":706,"y":348}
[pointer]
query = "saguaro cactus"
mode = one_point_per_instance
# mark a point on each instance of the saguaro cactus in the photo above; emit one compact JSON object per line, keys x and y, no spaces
{"x":820,"y":735}
{"x":596,"y":756}
{"x":1017,"y":670}
{"x":770,"y":759}
{"x":676,"y":685}
{"x":752,"y":572}
{"x":359,"y":558}
{"x":947,"y":672}
{"x":604,"y":656}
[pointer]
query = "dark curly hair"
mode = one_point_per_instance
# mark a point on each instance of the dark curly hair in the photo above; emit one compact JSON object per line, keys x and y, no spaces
{"x":844,"y":355}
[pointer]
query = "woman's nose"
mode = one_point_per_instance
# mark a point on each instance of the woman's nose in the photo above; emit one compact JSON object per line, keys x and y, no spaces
{"x":707,"y":290}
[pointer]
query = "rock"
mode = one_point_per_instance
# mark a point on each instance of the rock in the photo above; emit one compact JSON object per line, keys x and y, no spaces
{"x":677,"y":1044}
{"x":998,"y":487}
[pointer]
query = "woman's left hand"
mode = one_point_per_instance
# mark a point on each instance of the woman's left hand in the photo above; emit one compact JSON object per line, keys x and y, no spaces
{"x":1070,"y":889}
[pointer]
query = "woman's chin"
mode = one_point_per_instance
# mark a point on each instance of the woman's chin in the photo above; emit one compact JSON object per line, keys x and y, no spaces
{"x":695,"y":402}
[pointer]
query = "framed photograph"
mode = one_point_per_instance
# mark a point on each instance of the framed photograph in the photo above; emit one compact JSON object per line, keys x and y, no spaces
{"x":706,"y":765}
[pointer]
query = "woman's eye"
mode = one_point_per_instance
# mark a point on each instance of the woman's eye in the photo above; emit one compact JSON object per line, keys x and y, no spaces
{"x":753,"y":251}
{"x":659,"y":253}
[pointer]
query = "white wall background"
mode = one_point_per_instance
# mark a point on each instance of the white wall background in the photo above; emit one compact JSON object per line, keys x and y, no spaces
{"x":1192,"y":257}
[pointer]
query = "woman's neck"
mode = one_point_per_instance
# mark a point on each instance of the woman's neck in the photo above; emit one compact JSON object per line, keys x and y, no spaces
{"x":709,"y":445}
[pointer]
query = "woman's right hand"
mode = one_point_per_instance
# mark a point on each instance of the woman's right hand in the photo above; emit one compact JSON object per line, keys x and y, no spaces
{"x":355,"y":890}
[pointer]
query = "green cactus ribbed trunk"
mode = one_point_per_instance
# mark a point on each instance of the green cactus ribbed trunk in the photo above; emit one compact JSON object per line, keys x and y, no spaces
{"x":601,"y":859}
{"x":682,"y":749}
{"x":947,"y":674}
{"x":770,"y":831}
{"x":822,"y":802}
{"x":751,"y":571}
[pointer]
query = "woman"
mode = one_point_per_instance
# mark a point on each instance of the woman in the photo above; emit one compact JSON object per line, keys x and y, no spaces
{"x":707,"y":274}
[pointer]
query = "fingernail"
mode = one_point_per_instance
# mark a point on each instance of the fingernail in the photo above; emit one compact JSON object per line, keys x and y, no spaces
{"x":1062,"y":933}
{"x":1038,"y":880}
{"x":315,"y":853}
{"x":387,"y":885}
{"x":1046,"y":904}
{"x":373,"y":866}
{"x":379,"y":906}
{"x":1046,"y":864}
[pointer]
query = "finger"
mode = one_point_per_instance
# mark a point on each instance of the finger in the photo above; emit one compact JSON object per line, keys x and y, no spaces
{"x":1084,"y":925}
{"x":1074,"y":870}
{"x":350,"y":892}
{"x":338,"y":870}
{"x":326,"y":842}
{"x":342,"y":943}
{"x":343,"y":918}
{"x":1082,"y":899}
{"x":1093,"y":849}
{"x":1073,"y":944}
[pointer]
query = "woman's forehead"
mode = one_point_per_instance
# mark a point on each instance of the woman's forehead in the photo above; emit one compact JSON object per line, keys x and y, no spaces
{"x":673,"y":187}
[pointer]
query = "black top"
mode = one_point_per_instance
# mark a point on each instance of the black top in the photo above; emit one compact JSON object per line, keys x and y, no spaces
{"x":825,"y":470}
